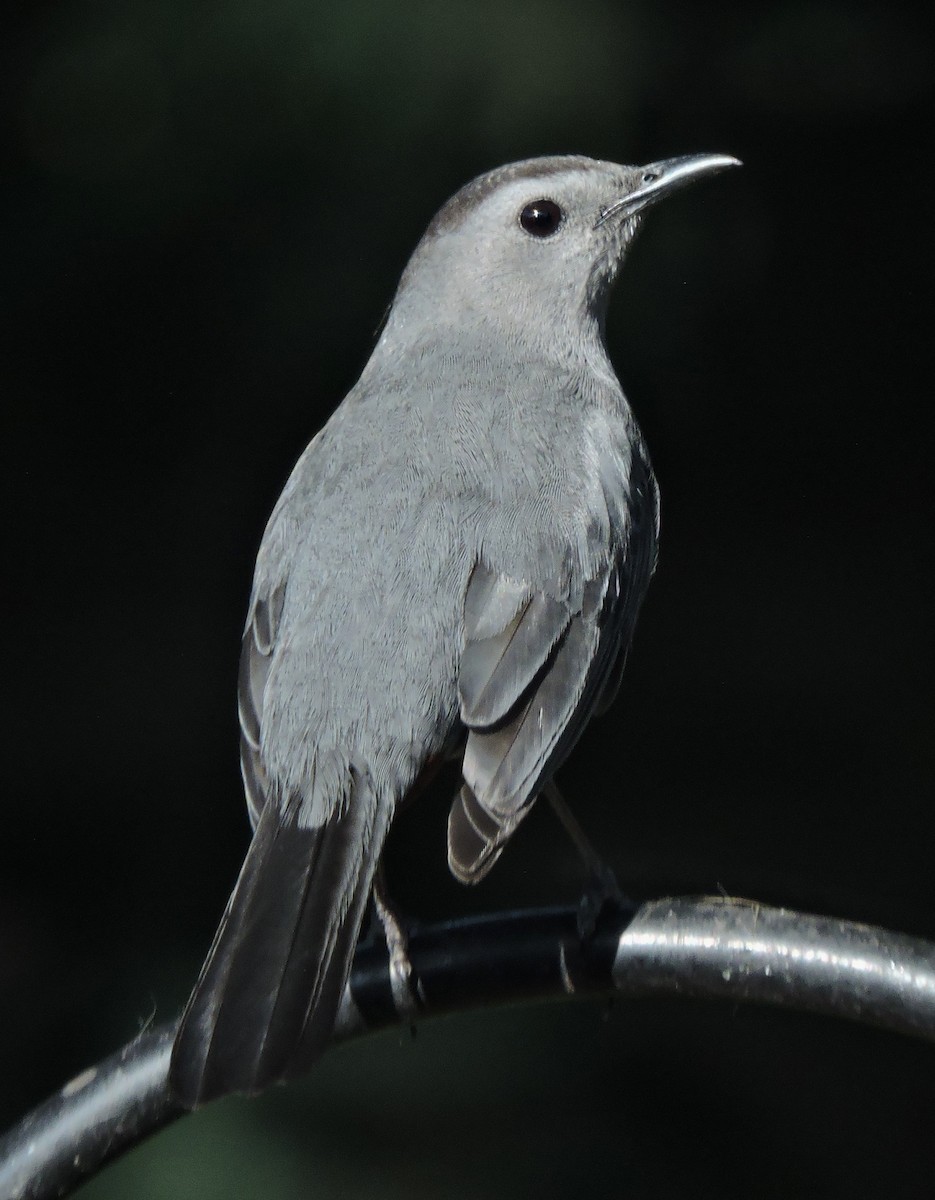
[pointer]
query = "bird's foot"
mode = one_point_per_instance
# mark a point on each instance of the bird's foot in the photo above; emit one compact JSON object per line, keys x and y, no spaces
{"x":602,"y":892}
{"x":602,"y":896}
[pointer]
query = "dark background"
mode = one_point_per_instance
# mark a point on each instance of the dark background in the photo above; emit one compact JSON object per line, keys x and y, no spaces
{"x":205,"y":212}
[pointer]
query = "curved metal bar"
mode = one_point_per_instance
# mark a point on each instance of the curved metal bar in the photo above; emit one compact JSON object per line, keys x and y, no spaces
{"x":100,"y":1114}
{"x":704,"y":947}
{"x":741,"y":950}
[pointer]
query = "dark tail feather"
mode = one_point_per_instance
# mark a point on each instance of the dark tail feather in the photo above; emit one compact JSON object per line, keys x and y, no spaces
{"x":265,"y":1005}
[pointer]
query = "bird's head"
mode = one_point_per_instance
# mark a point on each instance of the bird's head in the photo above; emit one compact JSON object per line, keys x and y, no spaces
{"x":533,"y":247}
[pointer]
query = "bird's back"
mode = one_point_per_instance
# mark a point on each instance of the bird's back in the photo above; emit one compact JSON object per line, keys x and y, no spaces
{"x":377,"y":533}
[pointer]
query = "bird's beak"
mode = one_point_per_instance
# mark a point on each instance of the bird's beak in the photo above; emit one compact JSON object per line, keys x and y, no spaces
{"x":659,"y":179}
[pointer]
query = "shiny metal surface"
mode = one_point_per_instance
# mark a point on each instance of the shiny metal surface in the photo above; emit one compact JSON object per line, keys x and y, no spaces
{"x":94,"y":1118}
{"x":701,"y":947}
{"x":741,"y":950}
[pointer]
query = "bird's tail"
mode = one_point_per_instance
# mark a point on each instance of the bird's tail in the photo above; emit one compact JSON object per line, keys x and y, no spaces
{"x":265,"y":1005}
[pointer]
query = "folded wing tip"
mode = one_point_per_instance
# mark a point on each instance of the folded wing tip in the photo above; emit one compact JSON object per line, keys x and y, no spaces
{"x":475,"y":838}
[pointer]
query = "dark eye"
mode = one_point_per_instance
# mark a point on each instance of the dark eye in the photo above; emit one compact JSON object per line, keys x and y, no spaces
{"x":541,"y":218}
{"x":650,"y":176}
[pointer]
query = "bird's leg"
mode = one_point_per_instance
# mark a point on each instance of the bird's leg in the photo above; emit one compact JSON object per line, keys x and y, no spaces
{"x":602,"y":890}
{"x":397,"y":942}
{"x":397,"y":945}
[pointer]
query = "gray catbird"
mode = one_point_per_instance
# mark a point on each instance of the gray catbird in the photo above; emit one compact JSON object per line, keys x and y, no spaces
{"x":454,"y":567}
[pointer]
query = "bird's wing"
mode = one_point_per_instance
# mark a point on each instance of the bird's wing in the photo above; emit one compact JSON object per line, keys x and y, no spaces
{"x":533,"y":671}
{"x":256,"y":654}
{"x":639,"y":565}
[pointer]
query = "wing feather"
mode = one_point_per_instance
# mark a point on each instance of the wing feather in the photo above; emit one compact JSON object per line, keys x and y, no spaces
{"x":256,"y":654}
{"x":529,"y":687}
{"x":506,"y":645}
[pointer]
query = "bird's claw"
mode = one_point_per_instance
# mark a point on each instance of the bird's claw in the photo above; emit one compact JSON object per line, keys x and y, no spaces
{"x":602,"y":895}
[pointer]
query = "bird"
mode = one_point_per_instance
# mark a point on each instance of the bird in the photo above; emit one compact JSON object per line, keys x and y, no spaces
{"x":453,"y":571}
